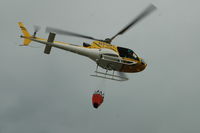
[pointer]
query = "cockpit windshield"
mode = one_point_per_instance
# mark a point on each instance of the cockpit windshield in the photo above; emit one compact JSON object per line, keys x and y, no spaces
{"x":128,"y":53}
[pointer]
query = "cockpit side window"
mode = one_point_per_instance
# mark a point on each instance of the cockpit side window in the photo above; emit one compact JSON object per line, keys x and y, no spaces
{"x":128,"y":53}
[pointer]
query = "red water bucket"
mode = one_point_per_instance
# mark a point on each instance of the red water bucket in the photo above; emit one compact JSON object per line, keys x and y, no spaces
{"x":97,"y":98}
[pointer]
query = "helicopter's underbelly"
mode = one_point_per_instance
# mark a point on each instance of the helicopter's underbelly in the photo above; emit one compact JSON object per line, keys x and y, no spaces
{"x":133,"y":68}
{"x":118,"y":66}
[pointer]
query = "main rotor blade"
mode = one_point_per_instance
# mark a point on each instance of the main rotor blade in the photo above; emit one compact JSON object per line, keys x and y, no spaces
{"x":141,"y":16}
{"x":69,"y":33}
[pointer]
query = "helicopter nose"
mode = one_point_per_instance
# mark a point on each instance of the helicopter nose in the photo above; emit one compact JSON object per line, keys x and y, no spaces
{"x":142,"y":66}
{"x":143,"y":62}
{"x":95,"y":105}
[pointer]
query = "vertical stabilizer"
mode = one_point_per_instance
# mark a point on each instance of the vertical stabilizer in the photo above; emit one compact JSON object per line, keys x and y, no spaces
{"x":26,"y":34}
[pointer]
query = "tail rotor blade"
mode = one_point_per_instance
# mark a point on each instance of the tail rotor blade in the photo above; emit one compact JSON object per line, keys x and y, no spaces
{"x":36,"y":28}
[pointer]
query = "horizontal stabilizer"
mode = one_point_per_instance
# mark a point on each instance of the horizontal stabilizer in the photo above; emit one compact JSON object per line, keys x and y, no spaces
{"x":51,"y":38}
{"x":47,"y":49}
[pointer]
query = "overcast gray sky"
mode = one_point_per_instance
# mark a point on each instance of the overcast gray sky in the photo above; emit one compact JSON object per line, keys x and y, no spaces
{"x":52,"y":93}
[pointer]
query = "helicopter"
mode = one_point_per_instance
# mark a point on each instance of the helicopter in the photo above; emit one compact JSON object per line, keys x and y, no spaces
{"x":106,"y":55}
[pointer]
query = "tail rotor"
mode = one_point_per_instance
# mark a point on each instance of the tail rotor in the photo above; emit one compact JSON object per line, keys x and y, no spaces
{"x":36,"y":29}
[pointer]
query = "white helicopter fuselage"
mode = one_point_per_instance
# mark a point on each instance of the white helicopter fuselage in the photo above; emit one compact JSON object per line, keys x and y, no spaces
{"x":104,"y":57}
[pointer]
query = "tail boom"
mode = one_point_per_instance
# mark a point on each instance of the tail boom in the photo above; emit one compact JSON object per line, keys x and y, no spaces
{"x":28,"y":38}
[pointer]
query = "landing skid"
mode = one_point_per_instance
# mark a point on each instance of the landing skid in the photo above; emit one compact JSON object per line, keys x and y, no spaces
{"x":109,"y":76}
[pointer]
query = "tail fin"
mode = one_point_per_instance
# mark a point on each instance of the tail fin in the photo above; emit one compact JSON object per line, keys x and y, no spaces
{"x":26,"y":34}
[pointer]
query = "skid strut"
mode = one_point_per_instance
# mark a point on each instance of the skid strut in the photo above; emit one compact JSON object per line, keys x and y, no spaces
{"x":106,"y":75}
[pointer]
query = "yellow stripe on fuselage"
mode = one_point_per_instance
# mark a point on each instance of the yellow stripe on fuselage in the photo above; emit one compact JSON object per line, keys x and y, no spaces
{"x":100,"y":44}
{"x":129,"y":59}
